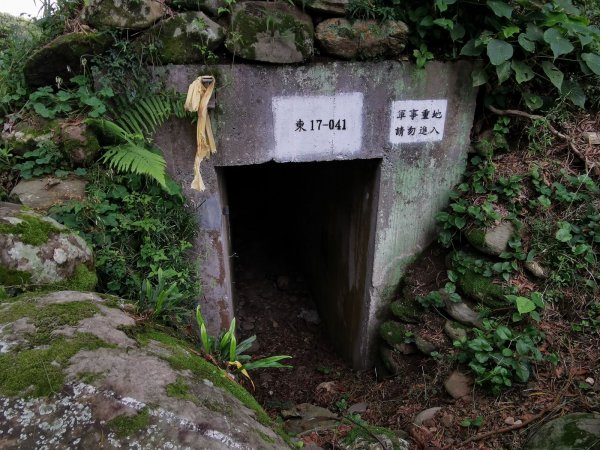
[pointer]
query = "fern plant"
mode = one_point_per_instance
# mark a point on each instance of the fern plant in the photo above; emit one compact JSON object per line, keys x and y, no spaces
{"x":145,"y":115}
{"x":129,"y":153}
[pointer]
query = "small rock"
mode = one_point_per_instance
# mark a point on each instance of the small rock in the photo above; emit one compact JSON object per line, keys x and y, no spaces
{"x":208,"y":6}
{"x":427,"y":415}
{"x":389,"y":361}
{"x":455,"y":331}
{"x":406,"y":313}
{"x":80,"y":144}
{"x":328,"y":386}
{"x":328,"y":6}
{"x":493,"y":240}
{"x":536,"y":269}
{"x":304,"y":417}
{"x":310,"y":316}
{"x":247,"y":326}
{"x":461,"y":312}
{"x":509,"y":420}
{"x":590,"y":381}
{"x":392,"y":332}
{"x":424,"y":345}
{"x":358,"y":408}
{"x":43,"y":193}
{"x":458,"y":385}
{"x":407,"y":349}
{"x":361,"y":38}
{"x":518,"y":422}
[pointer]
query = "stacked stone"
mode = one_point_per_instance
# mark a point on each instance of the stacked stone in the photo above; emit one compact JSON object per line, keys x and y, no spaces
{"x":184,"y":31}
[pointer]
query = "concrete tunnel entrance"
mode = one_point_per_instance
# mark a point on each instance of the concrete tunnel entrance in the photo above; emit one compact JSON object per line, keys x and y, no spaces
{"x":306,"y":228}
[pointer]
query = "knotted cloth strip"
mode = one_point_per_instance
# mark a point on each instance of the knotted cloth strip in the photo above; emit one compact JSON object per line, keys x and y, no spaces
{"x":199,"y":94}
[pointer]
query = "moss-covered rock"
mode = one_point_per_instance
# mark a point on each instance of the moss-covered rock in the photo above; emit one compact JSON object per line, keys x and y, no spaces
{"x":361,"y":39}
{"x":61,"y":57}
{"x":405,"y":312}
{"x":78,"y":143}
{"x":183,"y":39}
{"x":208,"y":6}
{"x":69,"y":359}
{"x":492,"y":240}
{"x":482,"y":289}
{"x":578,"y":431}
{"x":123,"y":14}
{"x":37,"y":250}
{"x":393,"y":333}
{"x":25,"y":135}
{"x":332,"y":7}
{"x":270,"y":32}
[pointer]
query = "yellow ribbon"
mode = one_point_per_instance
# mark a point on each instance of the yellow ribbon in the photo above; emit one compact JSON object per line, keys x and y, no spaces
{"x":198,"y":96}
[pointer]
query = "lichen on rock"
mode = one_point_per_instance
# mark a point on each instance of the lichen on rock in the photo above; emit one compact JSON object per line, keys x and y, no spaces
{"x":123,"y":14}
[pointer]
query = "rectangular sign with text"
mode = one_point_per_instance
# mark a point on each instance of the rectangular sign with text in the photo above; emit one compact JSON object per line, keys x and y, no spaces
{"x":317,"y":125}
{"x":417,"y":121}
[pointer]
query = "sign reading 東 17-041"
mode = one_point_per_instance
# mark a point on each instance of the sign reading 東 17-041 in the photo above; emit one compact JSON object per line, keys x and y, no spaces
{"x":317,"y":125}
{"x":417,"y":121}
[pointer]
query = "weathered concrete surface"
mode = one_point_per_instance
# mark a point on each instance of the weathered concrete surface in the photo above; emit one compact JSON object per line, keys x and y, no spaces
{"x":413,"y":178}
{"x":71,"y":377}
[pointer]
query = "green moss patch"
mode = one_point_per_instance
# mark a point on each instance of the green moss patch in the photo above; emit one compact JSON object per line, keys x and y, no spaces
{"x":179,"y":389}
{"x":482,"y":289}
{"x":476,"y":237}
{"x":124,"y":426}
{"x":11,"y":277}
{"x":40,"y":372}
{"x":31,"y":231}
{"x":406,"y":313}
{"x":48,"y":318}
{"x":82,"y":279}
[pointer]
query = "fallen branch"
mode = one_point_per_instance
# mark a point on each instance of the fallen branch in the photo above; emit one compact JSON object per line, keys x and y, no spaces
{"x":589,"y":166}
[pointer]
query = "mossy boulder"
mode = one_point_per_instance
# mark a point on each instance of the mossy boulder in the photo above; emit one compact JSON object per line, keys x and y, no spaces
{"x":270,"y":32}
{"x":208,"y":6}
{"x":61,"y":57}
{"x":123,"y":14}
{"x":43,"y":193}
{"x":577,"y":431}
{"x":78,"y":143}
{"x":493,"y":240}
{"x":75,"y":365}
{"x":183,"y":38}
{"x":37,"y":250}
{"x":361,"y":39}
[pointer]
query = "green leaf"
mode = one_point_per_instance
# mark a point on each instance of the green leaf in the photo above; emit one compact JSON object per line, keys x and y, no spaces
{"x":573,"y":91}
{"x":554,"y":74}
{"x":558,"y":44}
{"x":593,"y":62}
{"x":523,"y":72}
{"x":509,"y":31}
{"x":501,"y":9}
{"x":499,"y":51}
{"x":534,"y":33}
{"x":527,"y":44}
{"x":524,"y":305}
{"x":457,"y":32}
{"x":479,"y":77}
{"x":563,"y":235}
{"x":533,"y":101}
{"x":522,"y":372}
{"x":442,"y":5}
{"x":472,"y":48}
{"x":447,"y":24}
{"x":503,"y":72}
{"x":504,"y":333}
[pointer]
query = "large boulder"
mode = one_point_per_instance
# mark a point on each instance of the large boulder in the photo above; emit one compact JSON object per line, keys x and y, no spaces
{"x":61,"y":57}
{"x":578,"y":431}
{"x":123,"y":14}
{"x":183,"y":39}
{"x":270,"y":32}
{"x":37,"y":250}
{"x":42,"y":194}
{"x":76,"y":372}
{"x":361,"y":39}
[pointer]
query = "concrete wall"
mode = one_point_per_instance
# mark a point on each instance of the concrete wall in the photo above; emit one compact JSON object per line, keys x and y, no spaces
{"x":256,"y":120}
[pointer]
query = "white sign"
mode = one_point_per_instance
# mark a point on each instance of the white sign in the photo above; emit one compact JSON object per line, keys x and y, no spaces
{"x":317,"y":125}
{"x":417,"y":121}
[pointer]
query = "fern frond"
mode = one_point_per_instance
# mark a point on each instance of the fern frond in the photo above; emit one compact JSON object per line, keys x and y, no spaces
{"x":110,"y":129}
{"x":132,"y":158}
